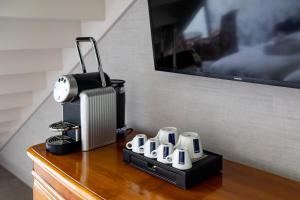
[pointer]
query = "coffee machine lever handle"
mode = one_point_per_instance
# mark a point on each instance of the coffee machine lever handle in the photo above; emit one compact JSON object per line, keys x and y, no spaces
{"x":93,"y":41}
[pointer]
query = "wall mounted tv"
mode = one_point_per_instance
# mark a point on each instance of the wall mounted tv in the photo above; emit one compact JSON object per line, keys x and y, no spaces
{"x":245,"y":40}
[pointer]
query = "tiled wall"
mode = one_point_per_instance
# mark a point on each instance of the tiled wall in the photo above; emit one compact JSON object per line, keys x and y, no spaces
{"x":257,"y":125}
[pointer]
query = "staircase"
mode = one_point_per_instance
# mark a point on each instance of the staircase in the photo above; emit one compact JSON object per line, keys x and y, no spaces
{"x":37,"y":45}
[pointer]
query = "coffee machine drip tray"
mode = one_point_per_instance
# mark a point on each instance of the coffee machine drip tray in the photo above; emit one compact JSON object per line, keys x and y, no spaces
{"x":59,"y":140}
{"x":64,"y":143}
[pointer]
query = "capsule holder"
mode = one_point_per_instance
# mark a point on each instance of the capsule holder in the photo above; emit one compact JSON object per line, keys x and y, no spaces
{"x":210,"y":164}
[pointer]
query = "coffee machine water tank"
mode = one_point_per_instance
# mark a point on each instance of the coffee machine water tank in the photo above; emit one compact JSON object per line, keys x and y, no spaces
{"x":119,"y":87}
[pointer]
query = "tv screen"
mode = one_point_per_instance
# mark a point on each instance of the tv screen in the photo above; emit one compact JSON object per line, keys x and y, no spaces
{"x":246,"y":40}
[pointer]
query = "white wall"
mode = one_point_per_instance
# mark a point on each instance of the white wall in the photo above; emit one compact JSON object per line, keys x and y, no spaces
{"x":257,"y":125}
{"x":13,"y":157}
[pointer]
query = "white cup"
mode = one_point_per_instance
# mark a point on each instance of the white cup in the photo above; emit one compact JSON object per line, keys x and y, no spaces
{"x":162,"y":152}
{"x":151,"y":145}
{"x":192,"y":142}
{"x":138,"y":140}
{"x":180,"y":159}
{"x":167,"y":135}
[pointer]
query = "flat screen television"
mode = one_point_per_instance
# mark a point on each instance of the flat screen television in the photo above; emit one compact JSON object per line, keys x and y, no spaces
{"x":245,"y":40}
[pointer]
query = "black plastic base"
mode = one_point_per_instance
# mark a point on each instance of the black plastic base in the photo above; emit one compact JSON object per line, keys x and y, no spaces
{"x":61,"y":145}
{"x":209,"y":165}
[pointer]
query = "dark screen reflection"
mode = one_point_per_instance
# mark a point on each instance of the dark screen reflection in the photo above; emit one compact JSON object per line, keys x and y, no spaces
{"x":245,"y":38}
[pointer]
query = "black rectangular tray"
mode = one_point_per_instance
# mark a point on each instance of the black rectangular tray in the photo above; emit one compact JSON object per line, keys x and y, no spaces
{"x":207,"y":166}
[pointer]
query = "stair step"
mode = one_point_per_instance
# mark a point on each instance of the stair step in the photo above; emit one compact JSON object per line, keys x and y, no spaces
{"x":5,"y":127}
{"x":27,"y":61}
{"x":54,"y":9}
{"x":22,"y":82}
{"x":4,"y":137}
{"x":37,"y":34}
{"x":17,"y":100}
{"x":10,"y":115}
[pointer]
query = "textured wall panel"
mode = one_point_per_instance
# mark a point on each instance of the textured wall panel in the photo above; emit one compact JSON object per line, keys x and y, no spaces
{"x":257,"y":125}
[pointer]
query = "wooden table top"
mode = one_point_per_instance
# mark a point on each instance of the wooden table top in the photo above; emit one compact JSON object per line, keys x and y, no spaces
{"x":102,"y":174}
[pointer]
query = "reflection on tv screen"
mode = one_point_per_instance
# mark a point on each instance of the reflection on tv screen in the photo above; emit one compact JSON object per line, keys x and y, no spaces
{"x":258,"y":39}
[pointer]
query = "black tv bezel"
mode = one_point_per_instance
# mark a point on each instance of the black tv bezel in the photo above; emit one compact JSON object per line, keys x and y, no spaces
{"x":286,"y":84}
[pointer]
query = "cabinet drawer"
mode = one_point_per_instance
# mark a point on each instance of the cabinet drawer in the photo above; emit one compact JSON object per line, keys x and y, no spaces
{"x":42,"y":190}
{"x":66,"y":190}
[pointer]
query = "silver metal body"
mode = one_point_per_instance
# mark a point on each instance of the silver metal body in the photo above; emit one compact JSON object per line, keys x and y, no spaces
{"x":98,"y":117}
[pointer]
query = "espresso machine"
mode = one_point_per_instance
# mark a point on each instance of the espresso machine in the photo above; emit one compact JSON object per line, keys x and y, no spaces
{"x":93,"y":108}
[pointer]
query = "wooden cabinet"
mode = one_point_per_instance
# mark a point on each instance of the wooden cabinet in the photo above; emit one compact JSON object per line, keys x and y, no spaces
{"x":102,"y":174}
{"x":39,"y":192}
{"x":42,"y":190}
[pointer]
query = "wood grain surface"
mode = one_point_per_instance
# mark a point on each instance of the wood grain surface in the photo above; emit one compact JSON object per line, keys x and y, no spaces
{"x":102,"y":174}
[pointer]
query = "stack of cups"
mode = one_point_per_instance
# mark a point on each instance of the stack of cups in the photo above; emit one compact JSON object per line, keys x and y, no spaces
{"x":169,"y":148}
{"x":188,"y":149}
{"x":137,"y":143}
